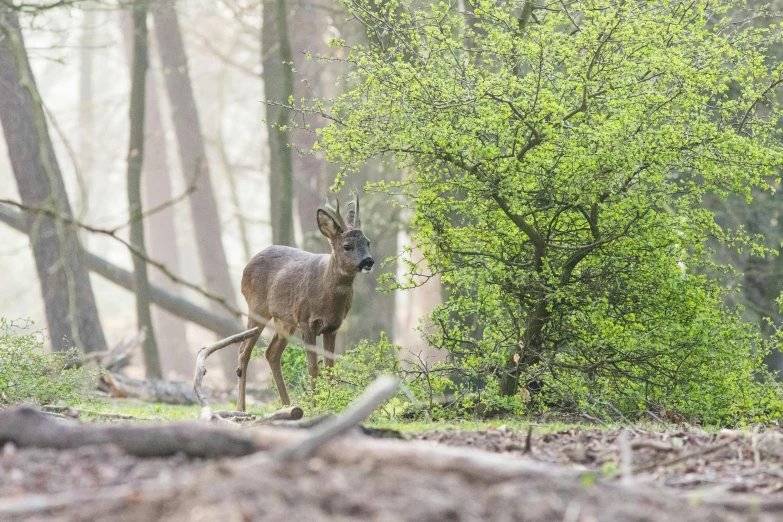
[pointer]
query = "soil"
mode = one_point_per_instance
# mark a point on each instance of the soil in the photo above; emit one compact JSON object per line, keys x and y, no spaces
{"x":100,"y":483}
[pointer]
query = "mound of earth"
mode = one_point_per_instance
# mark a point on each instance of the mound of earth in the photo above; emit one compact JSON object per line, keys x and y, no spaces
{"x":352,"y":479}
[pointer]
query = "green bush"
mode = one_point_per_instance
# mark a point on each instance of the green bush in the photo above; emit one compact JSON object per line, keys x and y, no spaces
{"x":557,"y":161}
{"x":30,"y":375}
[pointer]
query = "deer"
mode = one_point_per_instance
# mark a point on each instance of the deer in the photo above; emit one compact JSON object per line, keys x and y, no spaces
{"x":305,"y":291}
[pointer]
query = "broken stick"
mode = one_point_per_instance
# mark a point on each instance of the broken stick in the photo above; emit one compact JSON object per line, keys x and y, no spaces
{"x":201,"y":368}
{"x":375,"y":395}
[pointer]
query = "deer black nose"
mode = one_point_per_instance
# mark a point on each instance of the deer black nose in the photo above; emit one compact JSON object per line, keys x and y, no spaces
{"x":367,"y":262}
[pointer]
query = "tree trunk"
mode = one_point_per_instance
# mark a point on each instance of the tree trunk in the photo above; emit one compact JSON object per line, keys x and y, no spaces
{"x":193,"y":157}
{"x":279,"y":87}
{"x":86,"y":127}
{"x":135,"y":161}
{"x":161,"y":228}
{"x":71,"y":313}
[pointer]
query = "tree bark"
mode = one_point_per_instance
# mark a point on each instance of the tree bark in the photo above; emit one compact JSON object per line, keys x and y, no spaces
{"x":279,"y":87}
{"x":26,"y":427}
{"x":187,"y":126}
{"x":135,"y":161}
{"x":71,"y":313}
{"x":86,"y":120}
{"x":161,"y":228}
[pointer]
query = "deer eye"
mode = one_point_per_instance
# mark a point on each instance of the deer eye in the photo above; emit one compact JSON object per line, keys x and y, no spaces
{"x":347,"y":248}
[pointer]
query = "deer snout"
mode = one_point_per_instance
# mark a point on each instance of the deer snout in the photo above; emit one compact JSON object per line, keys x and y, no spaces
{"x":366,"y":264}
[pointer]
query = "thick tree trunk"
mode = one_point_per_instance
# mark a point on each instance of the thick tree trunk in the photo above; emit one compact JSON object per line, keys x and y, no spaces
{"x":160,"y":226}
{"x":279,"y":87}
{"x":135,"y":161}
{"x":187,"y":126}
{"x":71,"y":313}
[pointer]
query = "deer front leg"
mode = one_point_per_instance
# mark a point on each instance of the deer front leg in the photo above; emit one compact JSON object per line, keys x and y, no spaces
{"x":245,"y":351}
{"x":329,"y":343}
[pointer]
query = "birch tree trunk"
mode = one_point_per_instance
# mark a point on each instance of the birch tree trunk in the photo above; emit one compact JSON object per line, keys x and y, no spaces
{"x":71,"y":313}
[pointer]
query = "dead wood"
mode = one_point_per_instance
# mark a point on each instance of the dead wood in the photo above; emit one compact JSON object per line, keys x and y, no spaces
{"x":201,"y":370}
{"x":652,"y":444}
{"x":152,"y":390}
{"x":75,"y":413}
{"x":375,"y":395}
{"x":302,"y":424}
{"x":27,"y":427}
{"x":118,"y":356}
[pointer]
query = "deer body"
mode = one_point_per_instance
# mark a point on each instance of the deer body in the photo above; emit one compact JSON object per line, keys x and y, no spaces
{"x":305,"y":291}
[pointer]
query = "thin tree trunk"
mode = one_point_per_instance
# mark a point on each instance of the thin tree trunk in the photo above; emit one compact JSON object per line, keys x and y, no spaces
{"x":161,"y":228}
{"x":279,"y":87}
{"x":135,"y":161}
{"x":187,"y":126}
{"x":71,"y":313}
{"x":86,"y":130}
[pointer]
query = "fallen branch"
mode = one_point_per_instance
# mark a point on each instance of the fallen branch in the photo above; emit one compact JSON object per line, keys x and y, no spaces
{"x":152,"y":390}
{"x":75,"y":413}
{"x":376,"y":394}
{"x":27,"y":427}
{"x":201,"y":370}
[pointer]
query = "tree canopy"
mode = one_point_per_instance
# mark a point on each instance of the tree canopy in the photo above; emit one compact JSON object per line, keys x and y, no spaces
{"x":558,"y":155}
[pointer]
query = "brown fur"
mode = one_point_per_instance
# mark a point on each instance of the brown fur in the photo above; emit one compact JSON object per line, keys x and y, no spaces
{"x":305,"y":291}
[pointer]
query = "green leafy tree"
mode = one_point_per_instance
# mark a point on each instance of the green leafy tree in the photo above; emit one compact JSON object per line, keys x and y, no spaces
{"x":559,"y":155}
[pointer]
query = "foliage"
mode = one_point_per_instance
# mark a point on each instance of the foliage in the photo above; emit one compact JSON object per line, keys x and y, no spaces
{"x":343,"y":383}
{"x":28,"y":374}
{"x":558,"y":158}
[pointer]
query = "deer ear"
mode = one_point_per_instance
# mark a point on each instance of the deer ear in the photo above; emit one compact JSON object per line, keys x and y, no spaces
{"x":327,"y":225}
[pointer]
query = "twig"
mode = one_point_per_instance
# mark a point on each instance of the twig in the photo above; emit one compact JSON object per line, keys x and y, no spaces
{"x":652,"y":444}
{"x":376,"y":394}
{"x":77,"y":412}
{"x":528,"y":440}
{"x":626,"y":458}
{"x":682,"y":458}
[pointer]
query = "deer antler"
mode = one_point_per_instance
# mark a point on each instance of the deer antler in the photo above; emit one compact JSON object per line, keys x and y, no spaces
{"x":335,"y":213}
{"x":353,"y":214}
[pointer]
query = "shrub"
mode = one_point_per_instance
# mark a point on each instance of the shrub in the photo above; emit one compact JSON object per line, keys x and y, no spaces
{"x":30,"y":375}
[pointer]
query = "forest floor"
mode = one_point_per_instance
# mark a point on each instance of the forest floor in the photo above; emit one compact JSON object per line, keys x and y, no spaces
{"x":668,"y":473}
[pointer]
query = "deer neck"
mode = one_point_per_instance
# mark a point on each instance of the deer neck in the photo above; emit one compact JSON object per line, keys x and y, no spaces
{"x":336,"y":278}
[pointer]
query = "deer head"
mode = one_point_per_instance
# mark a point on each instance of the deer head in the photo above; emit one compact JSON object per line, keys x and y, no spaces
{"x":350,"y":247}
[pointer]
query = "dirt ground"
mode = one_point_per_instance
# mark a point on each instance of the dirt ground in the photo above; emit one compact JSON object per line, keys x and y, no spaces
{"x":99,"y":483}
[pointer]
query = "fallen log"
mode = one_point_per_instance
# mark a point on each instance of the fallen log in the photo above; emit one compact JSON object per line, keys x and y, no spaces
{"x":152,"y":390}
{"x":26,"y":427}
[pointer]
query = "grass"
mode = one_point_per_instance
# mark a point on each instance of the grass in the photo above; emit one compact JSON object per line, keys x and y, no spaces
{"x":154,"y":411}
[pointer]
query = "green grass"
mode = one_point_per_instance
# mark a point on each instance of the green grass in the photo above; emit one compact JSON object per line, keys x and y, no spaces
{"x":155,"y":411}
{"x":168,"y":412}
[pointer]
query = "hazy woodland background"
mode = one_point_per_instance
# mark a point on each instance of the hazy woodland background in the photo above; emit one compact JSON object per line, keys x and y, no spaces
{"x":79,"y":55}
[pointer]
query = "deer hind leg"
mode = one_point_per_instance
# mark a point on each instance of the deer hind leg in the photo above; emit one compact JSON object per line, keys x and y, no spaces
{"x":312,"y":357}
{"x":274,"y":354}
{"x":245,"y":351}
{"x":329,"y":344}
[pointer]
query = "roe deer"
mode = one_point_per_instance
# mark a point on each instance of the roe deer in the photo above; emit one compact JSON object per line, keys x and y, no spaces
{"x":298,"y":289}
